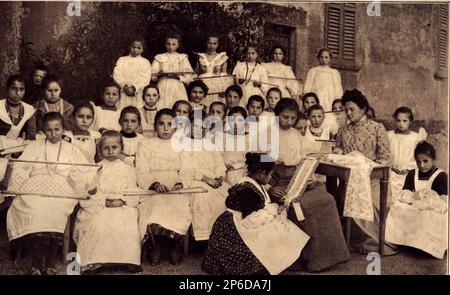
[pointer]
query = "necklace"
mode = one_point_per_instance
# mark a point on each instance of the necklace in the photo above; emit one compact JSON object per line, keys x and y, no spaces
{"x":57,"y":157}
{"x":251,"y":73}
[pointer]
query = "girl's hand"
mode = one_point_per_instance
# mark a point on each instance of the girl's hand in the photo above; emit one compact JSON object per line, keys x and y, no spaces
{"x":219,"y":179}
{"x":114,"y":203}
{"x":337,"y":151}
{"x":177,"y":186}
{"x":241,"y":81}
{"x":229,"y":167}
{"x":161,"y":188}
{"x":256,"y":84}
{"x":310,"y":183}
{"x":211,"y":182}
{"x":278,"y":193}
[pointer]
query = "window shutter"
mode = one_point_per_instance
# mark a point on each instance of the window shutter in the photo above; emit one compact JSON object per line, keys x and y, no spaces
{"x":333,"y":32}
{"x":349,"y":32}
{"x":340,"y":31}
{"x":443,"y":40}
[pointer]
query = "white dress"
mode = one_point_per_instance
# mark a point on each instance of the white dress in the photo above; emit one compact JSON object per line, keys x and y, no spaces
{"x":171,"y":90}
{"x":132,"y":71}
{"x":310,"y":145}
{"x":109,"y":235}
{"x":275,"y":240}
{"x":106,"y":119}
{"x":206,"y":207}
{"x":251,"y":71}
{"x":402,"y":157}
{"x":130,"y":146}
{"x":148,"y":121}
{"x":156,"y":161}
{"x":211,"y":68}
{"x":34,"y":213}
{"x":290,"y":148}
{"x":86,"y":143}
{"x":419,"y":219}
{"x":326,"y":83}
{"x":276,"y":71}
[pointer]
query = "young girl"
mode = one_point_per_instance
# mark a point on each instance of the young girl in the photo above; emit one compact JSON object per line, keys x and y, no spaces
{"x":52,"y":102}
{"x":132,"y":72}
{"x":324,"y":80}
{"x":150,"y":96}
{"x":208,"y":170}
{"x":402,"y":142}
{"x":280,"y":74}
{"x":251,"y":76}
{"x":106,"y":229}
{"x":212,"y":66}
{"x":316,"y":130}
{"x":327,"y":246}
{"x":216,"y":116}
{"x":252,"y":237}
{"x":273,"y":97}
{"x":197,"y":92}
{"x":107,"y":114}
{"x":34,"y":216}
{"x":302,"y":123}
{"x":172,"y":70}
{"x":341,"y":117}
{"x":163,"y":217}
{"x":80,"y":135}
{"x":16,"y":117}
{"x":309,"y":99}
{"x":418,"y":217}
{"x":130,"y":121}
{"x":182,"y":110}
{"x":233,"y":96}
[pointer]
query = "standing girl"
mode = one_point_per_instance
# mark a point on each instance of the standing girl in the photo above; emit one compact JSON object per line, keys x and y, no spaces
{"x":402,"y":142}
{"x":130,"y":121}
{"x":132,"y":72}
{"x":281,"y":75}
{"x":150,"y":96}
{"x":251,"y":76}
{"x":80,"y":135}
{"x":163,"y":218}
{"x":173,"y":71}
{"x":212,"y":69}
{"x":36,"y":216}
{"x":52,"y":102}
{"x":106,"y":230}
{"x":324,"y":80}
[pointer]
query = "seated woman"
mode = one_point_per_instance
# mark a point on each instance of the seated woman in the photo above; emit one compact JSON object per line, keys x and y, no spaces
{"x":327,"y":246}
{"x":252,"y":237}
{"x":106,"y":230}
{"x":370,"y":139}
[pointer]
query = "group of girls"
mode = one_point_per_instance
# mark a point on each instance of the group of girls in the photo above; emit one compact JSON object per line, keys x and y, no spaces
{"x":143,"y":182}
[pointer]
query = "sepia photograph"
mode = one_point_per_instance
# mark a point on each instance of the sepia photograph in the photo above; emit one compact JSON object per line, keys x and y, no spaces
{"x":224,"y":138}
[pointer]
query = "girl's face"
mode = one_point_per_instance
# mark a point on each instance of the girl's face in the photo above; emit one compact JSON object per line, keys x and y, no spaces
{"x":402,"y":122}
{"x":354,"y":113}
{"x":217,"y":111}
{"x":53,"y":130}
{"x":111,"y":96}
{"x":252,"y":54}
{"x":287,"y":119}
{"x":172,"y":45}
{"x":309,"y":101}
{"x":273,"y":97}
{"x":111,"y":148}
{"x":129,"y":123}
{"x":277,"y":55}
{"x":301,"y":126}
{"x":183,"y":110}
{"x":197,"y":94}
{"x":212,"y":44}
{"x":337,"y":106}
{"x":151,"y":97}
{"x":325,"y":58}
{"x":83,"y":119}
{"x":136,"y":48}
{"x":424,"y":162}
{"x":238,"y":123}
{"x":52,"y":92}
{"x":255,"y":109}
{"x":316,"y":118}
{"x":232,"y":99}
{"x":164,"y":128}
{"x":262,"y":177}
{"x":38,"y":76}
{"x":16,"y":91}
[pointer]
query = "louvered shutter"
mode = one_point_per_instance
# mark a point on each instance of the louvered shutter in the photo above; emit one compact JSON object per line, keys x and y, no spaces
{"x":340,"y":31}
{"x":443,"y":40}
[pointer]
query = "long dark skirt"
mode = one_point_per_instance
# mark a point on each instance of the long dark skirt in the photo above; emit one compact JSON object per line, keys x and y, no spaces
{"x":327,"y":246}
{"x":227,"y":253}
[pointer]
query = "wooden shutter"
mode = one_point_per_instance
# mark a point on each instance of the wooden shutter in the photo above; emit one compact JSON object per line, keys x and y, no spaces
{"x":340,"y":31}
{"x":443,"y":40}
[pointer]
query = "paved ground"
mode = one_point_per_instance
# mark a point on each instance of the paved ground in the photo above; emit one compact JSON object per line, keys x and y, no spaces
{"x":408,"y":262}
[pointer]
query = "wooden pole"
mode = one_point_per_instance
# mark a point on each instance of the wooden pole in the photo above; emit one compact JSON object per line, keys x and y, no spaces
{"x":54,"y":163}
{"x":44,"y":195}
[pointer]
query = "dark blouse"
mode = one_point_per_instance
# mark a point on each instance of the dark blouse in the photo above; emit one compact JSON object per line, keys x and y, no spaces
{"x":245,"y":198}
{"x":439,"y":185}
